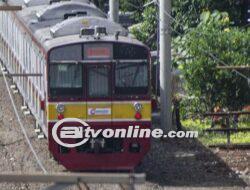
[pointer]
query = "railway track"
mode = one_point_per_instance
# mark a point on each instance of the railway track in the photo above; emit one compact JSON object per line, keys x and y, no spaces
{"x":63,"y":180}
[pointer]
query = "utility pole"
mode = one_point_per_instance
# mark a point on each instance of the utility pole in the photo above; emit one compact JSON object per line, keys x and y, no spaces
{"x":114,"y":10}
{"x":165,"y":65}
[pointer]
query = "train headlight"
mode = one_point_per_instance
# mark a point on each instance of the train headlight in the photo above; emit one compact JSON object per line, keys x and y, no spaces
{"x":60,"y":108}
{"x":138,"y":107}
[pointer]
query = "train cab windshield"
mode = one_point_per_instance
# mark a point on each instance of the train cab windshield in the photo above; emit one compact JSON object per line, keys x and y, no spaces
{"x":131,"y":78}
{"x":66,"y":80}
{"x":98,"y":82}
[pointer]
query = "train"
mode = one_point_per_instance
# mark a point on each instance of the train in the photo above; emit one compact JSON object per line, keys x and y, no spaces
{"x":88,"y":67}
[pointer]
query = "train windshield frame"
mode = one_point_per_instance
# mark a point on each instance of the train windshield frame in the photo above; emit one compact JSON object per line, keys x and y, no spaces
{"x":128,"y":75}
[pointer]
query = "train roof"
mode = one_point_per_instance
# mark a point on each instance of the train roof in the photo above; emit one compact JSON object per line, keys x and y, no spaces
{"x":30,"y":3}
{"x":73,"y":39}
{"x":60,"y":23}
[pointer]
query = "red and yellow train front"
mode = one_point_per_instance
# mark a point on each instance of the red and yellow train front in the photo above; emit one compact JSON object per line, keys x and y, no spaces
{"x":106,"y":85}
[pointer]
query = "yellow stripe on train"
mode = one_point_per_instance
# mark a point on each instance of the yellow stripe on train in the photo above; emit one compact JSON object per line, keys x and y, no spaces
{"x":100,"y":111}
{"x":71,"y":111}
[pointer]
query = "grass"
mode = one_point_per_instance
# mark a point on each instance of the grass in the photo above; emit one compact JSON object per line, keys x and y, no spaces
{"x":216,"y":138}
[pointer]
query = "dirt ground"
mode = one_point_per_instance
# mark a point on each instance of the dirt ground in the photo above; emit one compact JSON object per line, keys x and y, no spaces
{"x":171,"y":164}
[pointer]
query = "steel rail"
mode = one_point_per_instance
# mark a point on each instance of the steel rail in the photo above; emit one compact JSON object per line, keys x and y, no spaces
{"x":73,"y":178}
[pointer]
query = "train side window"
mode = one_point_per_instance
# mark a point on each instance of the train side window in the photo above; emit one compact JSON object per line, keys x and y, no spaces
{"x":98,"y":82}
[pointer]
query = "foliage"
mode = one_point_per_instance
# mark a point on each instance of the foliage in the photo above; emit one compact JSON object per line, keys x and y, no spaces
{"x":147,"y":31}
{"x":135,"y":6}
{"x":231,"y":45}
{"x":186,"y":14}
{"x":192,"y":107}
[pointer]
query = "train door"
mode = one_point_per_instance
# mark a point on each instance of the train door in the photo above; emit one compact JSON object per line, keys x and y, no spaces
{"x":99,"y":95}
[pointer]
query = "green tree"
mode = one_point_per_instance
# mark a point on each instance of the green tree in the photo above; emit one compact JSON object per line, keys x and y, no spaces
{"x":185,"y":12}
{"x":146,"y":31}
{"x":213,"y":37}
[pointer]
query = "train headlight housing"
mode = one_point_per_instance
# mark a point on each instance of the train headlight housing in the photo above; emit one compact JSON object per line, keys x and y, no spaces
{"x":138,"y":107}
{"x":134,"y":147}
{"x":60,"y":108}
